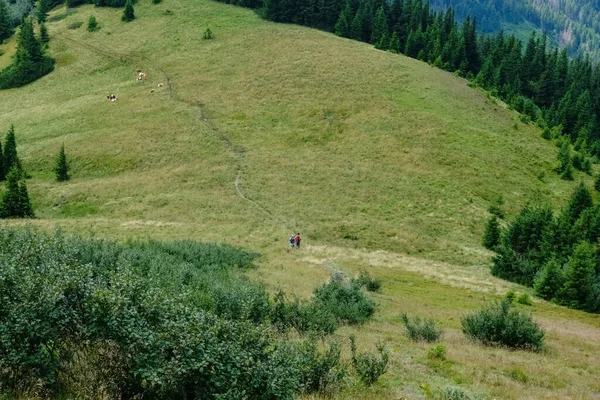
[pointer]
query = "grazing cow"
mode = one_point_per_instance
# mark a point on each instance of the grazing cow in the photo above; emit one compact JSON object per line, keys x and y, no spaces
{"x":111,"y":97}
{"x":160,"y":85}
{"x":141,"y":76}
{"x":151,"y":90}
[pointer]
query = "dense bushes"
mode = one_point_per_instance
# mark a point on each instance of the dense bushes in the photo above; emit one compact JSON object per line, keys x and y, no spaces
{"x":369,"y":366}
{"x":347,"y":302}
{"x":425,"y":330}
{"x":556,"y":255}
{"x":168,"y":320}
{"x":502,"y":325}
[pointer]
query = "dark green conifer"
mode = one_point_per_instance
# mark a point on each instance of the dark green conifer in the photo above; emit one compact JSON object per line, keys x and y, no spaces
{"x":565,"y":164}
{"x":394,"y":46}
{"x":43,"y":8}
{"x":6,"y":30}
{"x":15,"y":202}
{"x":11,"y":158}
{"x":597,"y":183}
{"x":128,"y":12}
{"x":380,"y":27}
{"x":580,"y":200}
{"x":44,"y":36}
{"x":550,"y":280}
{"x":62,"y":166}
{"x":342,"y":27}
{"x":491,"y":236}
{"x":578,"y":277}
{"x":92,"y":25}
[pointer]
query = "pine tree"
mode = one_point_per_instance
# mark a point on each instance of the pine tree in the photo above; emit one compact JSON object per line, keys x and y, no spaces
{"x":549,"y":281}
{"x":11,"y":158}
{"x":15,"y":202}
{"x":92,"y":25}
{"x":44,"y":36}
{"x":380,"y":27}
{"x":580,"y":200}
{"x":356,"y":28}
{"x":578,"y":277}
{"x":128,"y":12}
{"x":565,"y":164}
{"x":394,"y":46}
{"x":6,"y":30}
{"x":342,"y":27}
{"x":43,"y":8}
{"x":491,"y":236}
{"x":62,"y":166}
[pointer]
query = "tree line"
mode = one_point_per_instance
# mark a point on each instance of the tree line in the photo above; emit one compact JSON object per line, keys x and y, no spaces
{"x":555,"y":253}
{"x":573,"y":24}
{"x":560,"y":94}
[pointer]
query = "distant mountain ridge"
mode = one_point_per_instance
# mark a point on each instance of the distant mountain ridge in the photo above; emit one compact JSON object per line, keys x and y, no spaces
{"x":574,"y":24}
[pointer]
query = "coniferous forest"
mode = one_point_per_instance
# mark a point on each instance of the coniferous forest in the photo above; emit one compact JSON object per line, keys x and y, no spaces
{"x":536,"y":78}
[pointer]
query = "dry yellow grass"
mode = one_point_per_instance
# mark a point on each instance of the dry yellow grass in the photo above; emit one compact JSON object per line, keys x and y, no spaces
{"x":381,"y":162}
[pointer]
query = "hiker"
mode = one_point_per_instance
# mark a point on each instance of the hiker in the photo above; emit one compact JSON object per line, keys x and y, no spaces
{"x":292,"y":240}
{"x":297,"y":239}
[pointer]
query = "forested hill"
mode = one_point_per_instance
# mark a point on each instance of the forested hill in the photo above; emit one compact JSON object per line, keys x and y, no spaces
{"x":574,"y":24}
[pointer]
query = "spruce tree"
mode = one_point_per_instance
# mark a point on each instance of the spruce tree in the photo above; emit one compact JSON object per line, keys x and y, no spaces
{"x":380,"y":27}
{"x":6,"y":30}
{"x":92,"y":25}
{"x":565,"y":164}
{"x":342,"y":27}
{"x":128,"y":12}
{"x":578,"y":277}
{"x":549,"y":281}
{"x":491,"y":236}
{"x":15,"y":202}
{"x":580,"y":200}
{"x":62,"y":166}
{"x":11,"y":158}
{"x":394,"y":46}
{"x":43,"y":8}
{"x":44,"y":36}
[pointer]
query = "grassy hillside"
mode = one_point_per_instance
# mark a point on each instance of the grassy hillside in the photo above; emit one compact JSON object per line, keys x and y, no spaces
{"x":380,"y":161}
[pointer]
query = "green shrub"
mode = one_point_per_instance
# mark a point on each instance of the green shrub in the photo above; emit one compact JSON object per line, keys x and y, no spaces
{"x":453,"y":394}
{"x":517,"y":374}
{"x":510,"y":296}
{"x":156,"y":1}
{"x":368,"y":366}
{"x":491,"y":235}
{"x":364,"y":280}
{"x":347,"y":302}
{"x":425,"y":330}
{"x":500,"y":324}
{"x":437,"y":352}
{"x":75,"y":25}
{"x":208,"y":35}
{"x":152,"y":319}
{"x":524,"y":299}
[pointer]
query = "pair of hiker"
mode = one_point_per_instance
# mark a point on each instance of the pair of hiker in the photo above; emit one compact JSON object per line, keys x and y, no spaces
{"x":295,"y":240}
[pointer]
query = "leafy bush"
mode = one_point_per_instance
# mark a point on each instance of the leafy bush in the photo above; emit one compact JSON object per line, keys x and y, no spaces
{"x":347,"y":302}
{"x":524,"y":299}
{"x":437,"y":352}
{"x":364,"y":280}
{"x":517,"y":374}
{"x":500,"y":324}
{"x":208,"y":35}
{"x":75,"y":25}
{"x":453,"y":394}
{"x":510,"y":296}
{"x":425,"y":330}
{"x":162,"y":320}
{"x":368,"y":366}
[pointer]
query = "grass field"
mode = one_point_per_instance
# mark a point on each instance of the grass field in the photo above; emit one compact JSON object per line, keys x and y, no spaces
{"x":380,"y":161}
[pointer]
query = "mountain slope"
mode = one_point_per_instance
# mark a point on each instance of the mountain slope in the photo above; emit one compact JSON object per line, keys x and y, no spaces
{"x":269,"y":129}
{"x":573,"y":24}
